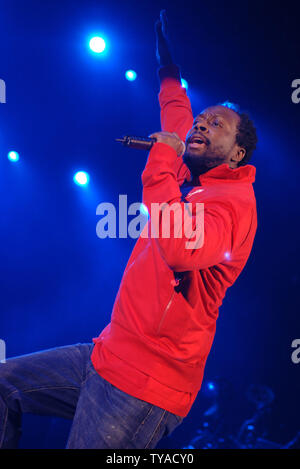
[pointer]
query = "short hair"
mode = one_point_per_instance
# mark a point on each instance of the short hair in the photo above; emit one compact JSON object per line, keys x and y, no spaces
{"x":246,"y":136}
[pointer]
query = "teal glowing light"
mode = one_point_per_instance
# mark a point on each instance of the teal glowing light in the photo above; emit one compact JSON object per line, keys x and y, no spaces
{"x":13,"y":156}
{"x":184,"y":83}
{"x":130,"y":75}
{"x":81,"y":178}
{"x":97,"y":44}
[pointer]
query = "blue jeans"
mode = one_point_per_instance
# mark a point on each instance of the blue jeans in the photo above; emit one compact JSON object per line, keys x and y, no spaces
{"x":62,"y":382}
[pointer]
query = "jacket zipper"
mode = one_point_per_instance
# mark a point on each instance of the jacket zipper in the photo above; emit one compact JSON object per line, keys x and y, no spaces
{"x":165,"y":311}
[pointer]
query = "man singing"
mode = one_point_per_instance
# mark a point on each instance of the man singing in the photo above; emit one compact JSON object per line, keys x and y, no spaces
{"x":140,"y":377}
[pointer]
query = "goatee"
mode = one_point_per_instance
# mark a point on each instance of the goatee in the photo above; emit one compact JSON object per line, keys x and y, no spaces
{"x":199,"y":164}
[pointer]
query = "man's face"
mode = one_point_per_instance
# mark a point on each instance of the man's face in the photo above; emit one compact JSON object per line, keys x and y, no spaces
{"x":212,"y":140}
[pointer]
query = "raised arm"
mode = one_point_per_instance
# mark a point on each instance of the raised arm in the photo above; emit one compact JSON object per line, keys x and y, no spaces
{"x":176,"y":112}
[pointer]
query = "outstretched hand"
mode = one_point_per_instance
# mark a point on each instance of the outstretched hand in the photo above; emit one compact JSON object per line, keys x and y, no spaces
{"x":163,"y":53}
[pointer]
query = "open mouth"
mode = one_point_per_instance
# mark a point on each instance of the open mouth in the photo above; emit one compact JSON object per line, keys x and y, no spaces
{"x":197,"y":143}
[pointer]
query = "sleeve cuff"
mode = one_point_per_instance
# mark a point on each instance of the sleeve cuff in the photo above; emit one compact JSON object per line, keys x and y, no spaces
{"x":162,"y":154}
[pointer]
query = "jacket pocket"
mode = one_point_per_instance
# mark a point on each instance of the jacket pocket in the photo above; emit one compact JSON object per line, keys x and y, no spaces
{"x":176,"y":319}
{"x":165,"y":312}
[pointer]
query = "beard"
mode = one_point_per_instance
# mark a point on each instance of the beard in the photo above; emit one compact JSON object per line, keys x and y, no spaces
{"x":199,"y":163}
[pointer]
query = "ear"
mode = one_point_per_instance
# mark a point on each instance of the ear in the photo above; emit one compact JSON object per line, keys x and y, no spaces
{"x":238,"y":154}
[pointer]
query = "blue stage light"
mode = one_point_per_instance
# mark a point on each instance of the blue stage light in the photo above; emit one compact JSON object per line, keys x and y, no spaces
{"x":13,"y":156}
{"x":144,"y":210}
{"x":184,"y":83}
{"x":227,"y":255}
{"x":81,"y":178}
{"x":130,"y":75}
{"x":97,"y":44}
{"x":211,"y":386}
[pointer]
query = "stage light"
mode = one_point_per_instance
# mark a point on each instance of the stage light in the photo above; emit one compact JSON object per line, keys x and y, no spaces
{"x":227,"y":255}
{"x":130,"y":75}
{"x":97,"y":44}
{"x":81,"y":178}
{"x":13,"y":156}
{"x":144,"y":210}
{"x":211,"y":386}
{"x":184,"y":83}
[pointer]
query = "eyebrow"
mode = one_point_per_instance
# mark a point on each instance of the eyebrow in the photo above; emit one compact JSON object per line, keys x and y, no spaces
{"x":211,"y":115}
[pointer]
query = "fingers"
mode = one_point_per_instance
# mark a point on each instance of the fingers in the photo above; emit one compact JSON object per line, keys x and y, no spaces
{"x":170,"y":138}
{"x":162,"y":132}
{"x":153,"y":135}
{"x":161,"y":24}
{"x":163,"y":16}
{"x":163,"y":19}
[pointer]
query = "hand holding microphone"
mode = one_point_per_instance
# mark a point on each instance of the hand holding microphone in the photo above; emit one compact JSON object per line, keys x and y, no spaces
{"x":170,"y":138}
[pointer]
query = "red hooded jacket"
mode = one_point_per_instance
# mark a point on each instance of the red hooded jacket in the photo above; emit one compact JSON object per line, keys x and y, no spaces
{"x":164,"y":316}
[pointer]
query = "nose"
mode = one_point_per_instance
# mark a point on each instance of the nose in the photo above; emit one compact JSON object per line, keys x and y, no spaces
{"x":201,"y":126}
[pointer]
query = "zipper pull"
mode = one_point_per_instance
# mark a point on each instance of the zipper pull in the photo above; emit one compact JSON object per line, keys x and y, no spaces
{"x":175,"y":282}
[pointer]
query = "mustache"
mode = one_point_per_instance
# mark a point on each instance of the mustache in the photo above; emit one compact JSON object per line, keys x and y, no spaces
{"x":200,"y":136}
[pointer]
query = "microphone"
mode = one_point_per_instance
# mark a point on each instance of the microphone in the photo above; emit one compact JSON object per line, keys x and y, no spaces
{"x":140,"y":143}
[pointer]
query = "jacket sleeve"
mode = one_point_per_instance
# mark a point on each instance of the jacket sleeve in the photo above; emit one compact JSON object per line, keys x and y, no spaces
{"x":211,"y":221}
{"x":175,"y":110}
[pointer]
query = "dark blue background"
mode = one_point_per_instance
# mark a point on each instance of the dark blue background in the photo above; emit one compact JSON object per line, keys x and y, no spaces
{"x":64,"y":108}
